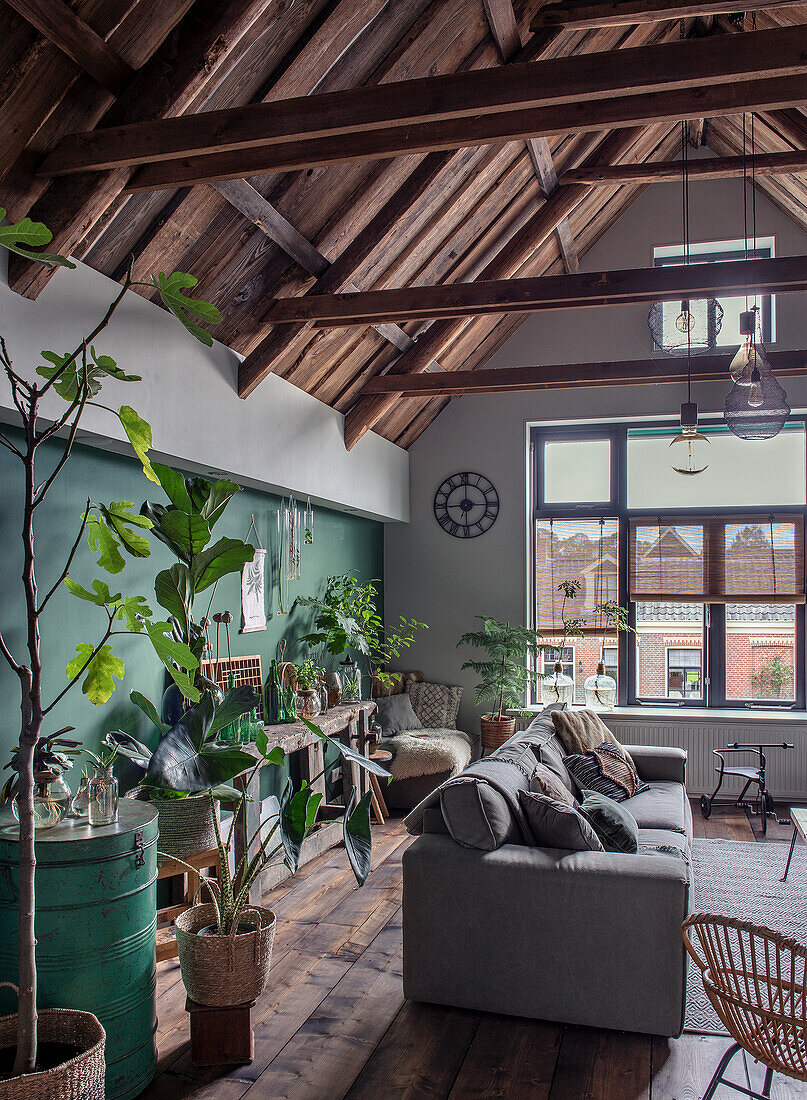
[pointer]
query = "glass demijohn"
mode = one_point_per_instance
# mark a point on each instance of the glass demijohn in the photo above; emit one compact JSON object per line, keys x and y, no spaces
{"x":557,"y":687}
{"x":103,"y":805}
{"x":600,"y":690}
{"x":52,"y":798}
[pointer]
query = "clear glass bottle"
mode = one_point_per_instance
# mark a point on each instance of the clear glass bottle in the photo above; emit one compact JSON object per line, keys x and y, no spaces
{"x":334,"y":684}
{"x":351,"y":681}
{"x":557,"y":687}
{"x":80,"y":805}
{"x":600,"y":690}
{"x":52,"y":798}
{"x":103,"y":806}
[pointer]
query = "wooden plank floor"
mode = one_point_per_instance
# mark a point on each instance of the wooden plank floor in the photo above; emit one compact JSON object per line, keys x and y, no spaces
{"x":333,"y":1022}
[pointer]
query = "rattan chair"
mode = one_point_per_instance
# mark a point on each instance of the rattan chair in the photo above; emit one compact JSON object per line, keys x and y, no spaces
{"x":756,"y":981}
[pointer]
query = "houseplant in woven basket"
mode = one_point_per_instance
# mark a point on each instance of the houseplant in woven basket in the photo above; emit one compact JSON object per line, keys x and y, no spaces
{"x":43,"y":445}
{"x":511,"y":655}
{"x":225,"y":946}
{"x":186,"y":765}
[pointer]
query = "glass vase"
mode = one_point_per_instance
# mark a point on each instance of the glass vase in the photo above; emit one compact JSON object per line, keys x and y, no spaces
{"x":600,"y":690}
{"x":557,"y":687}
{"x":103,"y":805}
{"x":308,"y":703}
{"x":52,"y":798}
{"x":351,"y":683}
{"x":80,"y":805}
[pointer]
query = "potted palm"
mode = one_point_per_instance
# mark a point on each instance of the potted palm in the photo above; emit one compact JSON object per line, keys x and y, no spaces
{"x":112,"y":530}
{"x":504,"y":675}
{"x":225,"y":945}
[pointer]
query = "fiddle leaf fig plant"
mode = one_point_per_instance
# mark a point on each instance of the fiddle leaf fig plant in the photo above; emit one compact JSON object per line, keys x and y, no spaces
{"x":77,"y":377}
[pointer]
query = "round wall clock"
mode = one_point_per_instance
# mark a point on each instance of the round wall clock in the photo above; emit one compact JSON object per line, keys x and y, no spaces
{"x":466,"y":505}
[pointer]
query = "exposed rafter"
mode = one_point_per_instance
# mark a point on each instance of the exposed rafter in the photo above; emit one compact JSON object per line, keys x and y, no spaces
{"x":661,"y":371}
{"x":589,"y":14}
{"x":60,"y":25}
{"x":664,"y":171}
{"x":464,"y":101}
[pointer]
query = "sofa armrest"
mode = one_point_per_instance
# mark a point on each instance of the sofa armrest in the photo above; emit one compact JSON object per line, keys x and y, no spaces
{"x":659,"y":762}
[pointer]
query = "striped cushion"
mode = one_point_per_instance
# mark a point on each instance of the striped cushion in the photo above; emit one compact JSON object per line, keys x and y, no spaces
{"x":605,"y":770}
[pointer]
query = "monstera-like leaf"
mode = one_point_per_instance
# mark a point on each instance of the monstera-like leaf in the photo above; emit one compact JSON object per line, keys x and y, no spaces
{"x":298,"y":811}
{"x":188,"y":758}
{"x":357,"y":835}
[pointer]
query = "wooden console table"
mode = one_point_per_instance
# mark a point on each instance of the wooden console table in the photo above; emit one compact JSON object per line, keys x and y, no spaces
{"x":348,"y":723}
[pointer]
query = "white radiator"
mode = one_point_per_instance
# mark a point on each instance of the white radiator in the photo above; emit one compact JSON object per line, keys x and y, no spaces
{"x":699,"y":734}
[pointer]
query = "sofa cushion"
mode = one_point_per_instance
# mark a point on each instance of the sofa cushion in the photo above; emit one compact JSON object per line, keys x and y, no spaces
{"x":661,"y":806}
{"x":395,"y":713}
{"x":556,"y":824}
{"x":612,"y":823}
{"x":481,"y":807}
{"x":605,"y":769}
{"x":550,"y":753}
{"x":436,"y":705}
{"x":544,"y":781}
{"x":582,"y":730}
{"x":663,"y":842}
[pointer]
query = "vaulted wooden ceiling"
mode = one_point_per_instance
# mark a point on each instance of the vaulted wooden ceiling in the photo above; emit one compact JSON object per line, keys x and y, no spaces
{"x":426,"y":218}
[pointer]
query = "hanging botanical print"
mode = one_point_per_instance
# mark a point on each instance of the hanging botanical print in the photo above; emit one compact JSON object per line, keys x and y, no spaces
{"x":252,"y":594}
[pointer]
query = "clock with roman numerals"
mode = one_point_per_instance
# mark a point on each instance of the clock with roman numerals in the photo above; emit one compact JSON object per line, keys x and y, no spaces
{"x":466,"y":505}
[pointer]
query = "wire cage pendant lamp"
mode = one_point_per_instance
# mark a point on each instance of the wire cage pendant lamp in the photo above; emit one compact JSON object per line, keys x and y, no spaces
{"x":756,"y":407}
{"x":689,"y":449}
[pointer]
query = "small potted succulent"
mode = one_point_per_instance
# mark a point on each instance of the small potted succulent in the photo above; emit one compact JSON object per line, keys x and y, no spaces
{"x":504,"y":676}
{"x":225,"y":946}
{"x":187,"y":762}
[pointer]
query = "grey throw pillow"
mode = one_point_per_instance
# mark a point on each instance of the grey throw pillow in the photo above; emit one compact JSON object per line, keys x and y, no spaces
{"x":614,"y":825}
{"x":436,"y":705}
{"x":545,"y":781}
{"x":477,"y":815}
{"x":556,"y":824}
{"x":395,"y":713}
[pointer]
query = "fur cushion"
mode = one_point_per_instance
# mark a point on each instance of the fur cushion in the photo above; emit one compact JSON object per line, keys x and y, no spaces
{"x":580,"y":731}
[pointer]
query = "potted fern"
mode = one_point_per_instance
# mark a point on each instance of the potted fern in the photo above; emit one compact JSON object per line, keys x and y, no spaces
{"x":505,"y":674}
{"x":76,"y":377}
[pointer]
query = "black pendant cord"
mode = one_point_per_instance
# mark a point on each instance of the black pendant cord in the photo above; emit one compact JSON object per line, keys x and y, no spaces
{"x":773,"y":555}
{"x":685,"y":220}
{"x":745,"y":200}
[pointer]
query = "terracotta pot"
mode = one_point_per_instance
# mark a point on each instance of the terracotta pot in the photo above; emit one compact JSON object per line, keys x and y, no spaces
{"x":495,"y":731}
{"x":80,"y":1077}
{"x":224,"y":970}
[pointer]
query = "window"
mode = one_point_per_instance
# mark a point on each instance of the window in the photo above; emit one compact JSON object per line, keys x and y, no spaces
{"x":711,"y":569}
{"x":550,"y":659}
{"x":715,"y":252}
{"x":684,"y":673}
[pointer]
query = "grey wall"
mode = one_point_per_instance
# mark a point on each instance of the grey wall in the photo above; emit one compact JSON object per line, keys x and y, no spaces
{"x":280,"y":439}
{"x":445,"y":581}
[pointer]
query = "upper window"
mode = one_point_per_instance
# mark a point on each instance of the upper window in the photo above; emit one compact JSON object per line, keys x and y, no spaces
{"x":715,"y":252}
{"x":576,"y":471}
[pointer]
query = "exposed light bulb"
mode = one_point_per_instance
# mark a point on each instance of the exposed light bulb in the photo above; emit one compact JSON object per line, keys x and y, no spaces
{"x":755,"y":389}
{"x":746,"y":358}
{"x":685,"y":322}
{"x":690,"y":447}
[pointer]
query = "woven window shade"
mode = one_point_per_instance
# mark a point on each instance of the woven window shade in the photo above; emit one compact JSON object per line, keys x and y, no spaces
{"x":575,"y":550}
{"x":725,"y":559}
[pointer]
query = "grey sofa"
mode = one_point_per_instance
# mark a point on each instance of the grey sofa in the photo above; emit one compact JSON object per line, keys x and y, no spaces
{"x":589,"y":938}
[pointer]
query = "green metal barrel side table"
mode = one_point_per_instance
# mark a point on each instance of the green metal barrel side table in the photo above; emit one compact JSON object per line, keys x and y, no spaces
{"x":96,"y":906}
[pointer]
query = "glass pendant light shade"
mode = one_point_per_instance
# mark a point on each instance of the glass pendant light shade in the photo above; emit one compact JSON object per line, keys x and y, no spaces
{"x":600,"y":690}
{"x":746,"y":358}
{"x":690,"y":448}
{"x":756,"y":406}
{"x":679,"y":328}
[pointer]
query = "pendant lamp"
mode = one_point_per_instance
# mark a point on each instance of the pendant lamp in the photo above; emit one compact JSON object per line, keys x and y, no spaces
{"x":756,"y":406}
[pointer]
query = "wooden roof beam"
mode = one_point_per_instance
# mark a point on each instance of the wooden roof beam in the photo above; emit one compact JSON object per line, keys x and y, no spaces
{"x":781,"y":275}
{"x":661,"y":371}
{"x":454,"y":100}
{"x":666,"y":171}
{"x":582,"y":117}
{"x":61,"y":26}
{"x":582,"y":15}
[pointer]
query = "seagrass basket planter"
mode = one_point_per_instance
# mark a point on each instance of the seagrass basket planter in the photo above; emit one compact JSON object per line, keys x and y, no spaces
{"x":79,"y":1078}
{"x":224,"y":970}
{"x":495,"y":731}
{"x":185,"y":824}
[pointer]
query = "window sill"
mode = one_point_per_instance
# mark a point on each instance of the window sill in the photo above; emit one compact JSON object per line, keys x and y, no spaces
{"x":699,"y":714}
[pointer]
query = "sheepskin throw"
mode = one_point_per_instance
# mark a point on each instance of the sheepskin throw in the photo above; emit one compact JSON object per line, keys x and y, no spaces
{"x":428,"y":752}
{"x":580,"y":731}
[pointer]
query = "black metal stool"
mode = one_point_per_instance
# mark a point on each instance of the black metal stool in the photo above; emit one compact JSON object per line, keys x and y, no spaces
{"x":763,"y":803}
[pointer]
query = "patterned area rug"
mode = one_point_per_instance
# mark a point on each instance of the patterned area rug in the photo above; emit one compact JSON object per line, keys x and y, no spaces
{"x":744,"y":880}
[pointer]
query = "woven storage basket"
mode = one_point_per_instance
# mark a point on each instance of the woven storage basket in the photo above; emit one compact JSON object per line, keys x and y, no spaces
{"x":495,"y":732}
{"x":186,"y":826}
{"x":224,"y":970}
{"x":79,"y":1078}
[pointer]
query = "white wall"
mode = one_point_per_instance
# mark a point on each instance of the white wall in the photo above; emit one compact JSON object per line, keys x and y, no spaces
{"x":280,"y":439}
{"x":445,"y":581}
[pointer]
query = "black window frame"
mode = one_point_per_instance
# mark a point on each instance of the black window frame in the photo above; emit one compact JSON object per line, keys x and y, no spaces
{"x":713,"y":650}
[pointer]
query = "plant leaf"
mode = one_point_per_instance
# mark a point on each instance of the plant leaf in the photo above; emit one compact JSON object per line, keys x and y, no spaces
{"x":138,"y":432}
{"x":237,"y":701}
{"x":16,"y":236}
{"x":172,"y":589}
{"x":129,"y":747}
{"x":271,"y":756}
{"x":174,"y":487}
{"x":186,"y":759}
{"x":297,"y":813}
{"x":357,"y":835}
{"x":100,"y":594}
{"x":221,"y":493}
{"x":133,"y":610}
{"x":172,"y":292}
{"x":223,"y":557}
{"x":99,"y":671}
{"x":121,"y":519}
{"x":102,"y":541}
{"x":187,"y":530}
{"x":347,"y":752}
{"x":177,"y":657}
{"x":149,"y":710}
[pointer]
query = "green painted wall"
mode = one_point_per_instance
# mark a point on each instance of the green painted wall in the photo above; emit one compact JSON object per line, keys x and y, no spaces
{"x":341,"y":542}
